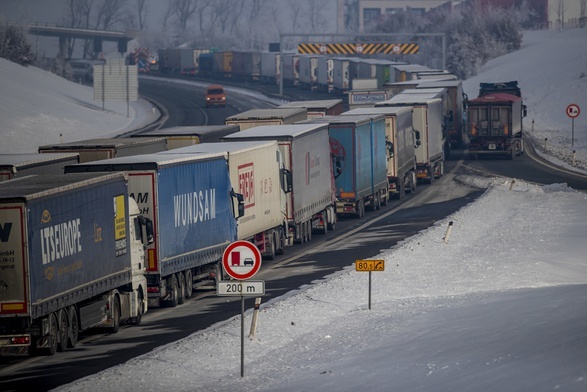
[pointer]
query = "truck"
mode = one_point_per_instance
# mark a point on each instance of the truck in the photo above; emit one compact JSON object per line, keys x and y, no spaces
{"x":510,"y":87}
{"x":358,"y":148}
{"x":291,"y":69}
{"x":246,"y":65}
{"x":222,"y":67}
{"x":494,"y":125}
{"x":257,"y":172}
{"x":310,"y":199}
{"x":324,"y":74}
{"x":20,"y":165}
{"x":272,"y":116}
{"x":72,"y":258}
{"x":270,"y":67}
{"x":401,"y":142}
{"x":177,"y":60}
{"x":427,"y":122}
{"x":431,"y":93}
{"x":455,"y":103}
{"x":189,"y":135}
{"x":308,"y":78}
{"x":190,"y":200}
{"x":317,"y":108}
{"x":96,"y":149}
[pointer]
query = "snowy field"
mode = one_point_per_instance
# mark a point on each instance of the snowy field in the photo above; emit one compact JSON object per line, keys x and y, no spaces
{"x":498,"y":306}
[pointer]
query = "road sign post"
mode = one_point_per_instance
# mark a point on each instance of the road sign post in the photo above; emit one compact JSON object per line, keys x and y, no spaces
{"x":573,"y":112}
{"x":241,"y":260}
{"x":369,"y":266}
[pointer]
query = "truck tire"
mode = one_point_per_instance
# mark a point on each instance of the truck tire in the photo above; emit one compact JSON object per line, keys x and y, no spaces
{"x":180,"y":288}
{"x":140,"y":311}
{"x":63,"y":330}
{"x":189,"y":284}
{"x":172,"y":303}
{"x":115,"y":315}
{"x":273,"y":245}
{"x":385,"y":199}
{"x":360,"y":209}
{"x":282,"y":242}
{"x":52,"y":338}
{"x":73,"y":324}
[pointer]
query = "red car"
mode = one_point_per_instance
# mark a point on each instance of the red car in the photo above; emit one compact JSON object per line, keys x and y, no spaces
{"x":215,"y":96}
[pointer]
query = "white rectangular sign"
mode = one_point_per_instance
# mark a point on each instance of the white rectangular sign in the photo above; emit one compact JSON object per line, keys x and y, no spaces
{"x":251,"y":288}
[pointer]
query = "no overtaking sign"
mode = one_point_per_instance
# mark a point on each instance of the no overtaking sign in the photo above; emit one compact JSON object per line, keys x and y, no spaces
{"x":241,"y":260}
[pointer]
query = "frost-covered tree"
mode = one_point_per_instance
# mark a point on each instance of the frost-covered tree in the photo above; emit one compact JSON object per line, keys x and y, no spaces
{"x":474,"y":34}
{"x":14,"y":45}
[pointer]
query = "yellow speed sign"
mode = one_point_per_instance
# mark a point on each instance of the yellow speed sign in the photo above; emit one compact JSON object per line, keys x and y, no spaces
{"x":369,"y":265}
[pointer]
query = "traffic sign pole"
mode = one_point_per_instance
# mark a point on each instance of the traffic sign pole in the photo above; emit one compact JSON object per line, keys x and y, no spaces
{"x":573,"y":112}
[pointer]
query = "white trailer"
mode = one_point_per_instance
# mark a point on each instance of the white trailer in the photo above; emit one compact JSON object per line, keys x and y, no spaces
{"x":427,"y":121}
{"x":310,"y":201}
{"x":291,"y":69}
{"x":256,"y":171}
{"x":97,"y":149}
{"x":270,"y":67}
{"x":324,"y":77}
{"x":308,"y":71}
{"x":272,"y":116}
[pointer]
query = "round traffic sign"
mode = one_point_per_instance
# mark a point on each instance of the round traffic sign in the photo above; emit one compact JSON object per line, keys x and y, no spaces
{"x":573,"y":110}
{"x":241,"y":260}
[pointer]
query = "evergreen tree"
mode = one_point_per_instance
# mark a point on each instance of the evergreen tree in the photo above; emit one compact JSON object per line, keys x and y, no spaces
{"x":14,"y":46}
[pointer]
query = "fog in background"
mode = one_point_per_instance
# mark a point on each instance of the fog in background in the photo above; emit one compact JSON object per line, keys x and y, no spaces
{"x":226,"y":24}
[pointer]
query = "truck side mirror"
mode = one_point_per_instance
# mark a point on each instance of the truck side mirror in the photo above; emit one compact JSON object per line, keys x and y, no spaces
{"x":524,"y":110}
{"x":149,"y":230}
{"x":287,"y":178}
{"x":418,"y":142}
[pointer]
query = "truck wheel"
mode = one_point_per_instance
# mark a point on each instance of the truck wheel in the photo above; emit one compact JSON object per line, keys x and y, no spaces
{"x":189,"y":284}
{"x":140,"y":311}
{"x":282,"y":243}
{"x":115,"y":316}
{"x":172,"y":283}
{"x":302,"y":232}
{"x":73,"y":327}
{"x":180,"y":288}
{"x":63,"y":330}
{"x":360,"y":209}
{"x":53,"y":337}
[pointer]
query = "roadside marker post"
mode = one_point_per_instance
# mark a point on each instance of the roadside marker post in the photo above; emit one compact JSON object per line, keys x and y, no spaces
{"x":369,"y":266}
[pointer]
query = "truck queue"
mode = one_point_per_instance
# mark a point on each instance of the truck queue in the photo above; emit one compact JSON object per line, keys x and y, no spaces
{"x":166,"y":212}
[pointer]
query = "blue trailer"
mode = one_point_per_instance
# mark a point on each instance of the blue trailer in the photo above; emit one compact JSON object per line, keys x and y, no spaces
{"x":71,"y":257}
{"x":190,"y":200}
{"x":358,"y":146}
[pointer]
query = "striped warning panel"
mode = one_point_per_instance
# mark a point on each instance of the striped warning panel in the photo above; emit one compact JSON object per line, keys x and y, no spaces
{"x":366,"y":48}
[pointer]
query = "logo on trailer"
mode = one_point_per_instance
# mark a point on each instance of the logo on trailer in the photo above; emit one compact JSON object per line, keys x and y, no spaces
{"x":246,"y":183}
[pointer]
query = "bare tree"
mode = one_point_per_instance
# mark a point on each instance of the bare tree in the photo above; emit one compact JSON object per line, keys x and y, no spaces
{"x":184,"y":10}
{"x":109,"y":13}
{"x":316,"y":14}
{"x":167,"y":14}
{"x":295,"y":7}
{"x":142,"y":11}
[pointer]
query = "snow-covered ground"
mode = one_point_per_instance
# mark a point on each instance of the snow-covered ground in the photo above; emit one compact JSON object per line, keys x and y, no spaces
{"x":499,"y":305}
